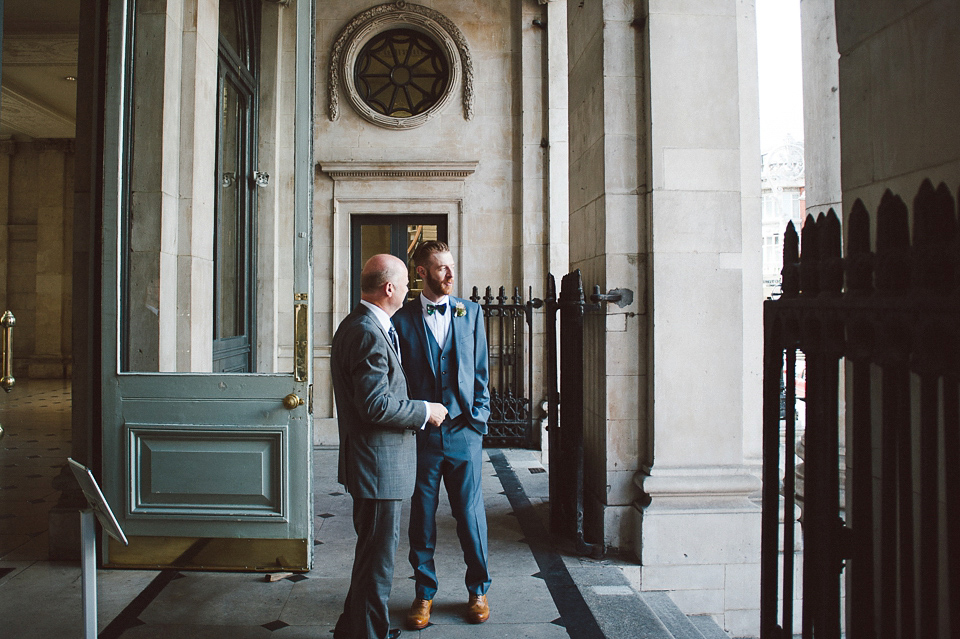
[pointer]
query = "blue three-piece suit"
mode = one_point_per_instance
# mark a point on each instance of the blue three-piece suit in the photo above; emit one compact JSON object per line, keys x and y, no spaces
{"x":455,"y":374}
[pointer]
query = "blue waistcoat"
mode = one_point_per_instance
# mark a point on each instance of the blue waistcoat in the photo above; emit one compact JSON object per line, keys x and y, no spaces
{"x":446,"y":361}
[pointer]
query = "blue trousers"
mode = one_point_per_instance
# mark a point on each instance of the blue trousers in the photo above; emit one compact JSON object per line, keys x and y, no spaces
{"x":452,"y":454}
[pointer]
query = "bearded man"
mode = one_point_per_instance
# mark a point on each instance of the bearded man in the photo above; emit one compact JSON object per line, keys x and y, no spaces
{"x":444,"y":348}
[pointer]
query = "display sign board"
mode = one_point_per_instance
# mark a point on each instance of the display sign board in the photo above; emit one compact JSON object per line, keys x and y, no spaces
{"x":98,"y":503}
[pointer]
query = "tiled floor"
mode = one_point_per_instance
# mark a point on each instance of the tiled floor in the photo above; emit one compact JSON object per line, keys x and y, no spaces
{"x":35,"y":417}
{"x":536,"y":592}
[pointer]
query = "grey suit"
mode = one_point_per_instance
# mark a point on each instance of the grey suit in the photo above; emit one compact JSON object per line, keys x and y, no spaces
{"x":377,"y":462}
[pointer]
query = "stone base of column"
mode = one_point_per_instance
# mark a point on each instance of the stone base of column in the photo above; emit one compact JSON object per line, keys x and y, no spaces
{"x":699,"y":539}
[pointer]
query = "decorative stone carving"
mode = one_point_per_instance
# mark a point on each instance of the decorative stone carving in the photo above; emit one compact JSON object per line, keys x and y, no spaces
{"x":40,"y":50}
{"x":28,"y":116}
{"x":398,"y":170}
{"x":367,"y":24}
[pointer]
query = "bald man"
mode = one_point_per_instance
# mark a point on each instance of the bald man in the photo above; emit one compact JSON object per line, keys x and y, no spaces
{"x":378,"y":454}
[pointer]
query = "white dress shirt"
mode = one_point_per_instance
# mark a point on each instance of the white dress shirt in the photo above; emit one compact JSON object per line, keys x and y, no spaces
{"x":438,"y":324}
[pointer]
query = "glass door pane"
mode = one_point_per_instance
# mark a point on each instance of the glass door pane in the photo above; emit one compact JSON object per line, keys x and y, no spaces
{"x":229,"y":263}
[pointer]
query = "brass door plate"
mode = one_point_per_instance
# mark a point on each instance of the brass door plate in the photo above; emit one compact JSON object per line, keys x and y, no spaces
{"x":199,"y":553}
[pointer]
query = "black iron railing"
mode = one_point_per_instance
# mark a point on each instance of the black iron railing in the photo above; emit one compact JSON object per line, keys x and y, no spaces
{"x":896,"y":325}
{"x":509,"y":326}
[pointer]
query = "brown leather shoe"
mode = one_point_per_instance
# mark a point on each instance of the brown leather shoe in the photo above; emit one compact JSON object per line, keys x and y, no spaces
{"x":478,"y":610}
{"x":419,"y":615}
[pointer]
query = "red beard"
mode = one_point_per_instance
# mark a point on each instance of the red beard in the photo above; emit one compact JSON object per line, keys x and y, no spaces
{"x":438,"y":287}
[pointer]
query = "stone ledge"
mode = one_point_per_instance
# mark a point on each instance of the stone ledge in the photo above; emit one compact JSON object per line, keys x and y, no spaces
{"x":398,"y":170}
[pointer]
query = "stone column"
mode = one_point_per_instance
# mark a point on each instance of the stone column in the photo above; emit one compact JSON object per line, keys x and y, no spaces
{"x":557,"y":173}
{"x":7,"y":148}
{"x":533,"y":134}
{"x":153,"y":235}
{"x":607,"y":224}
{"x":277,"y":101}
{"x":558,"y":142}
{"x":821,"y":106}
{"x":50,"y":359}
{"x":664,"y":188}
{"x":545,"y":149}
{"x":198,"y":122}
{"x":699,"y":533}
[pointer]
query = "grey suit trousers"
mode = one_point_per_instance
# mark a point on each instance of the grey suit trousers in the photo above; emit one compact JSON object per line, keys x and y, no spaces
{"x":365,"y":614}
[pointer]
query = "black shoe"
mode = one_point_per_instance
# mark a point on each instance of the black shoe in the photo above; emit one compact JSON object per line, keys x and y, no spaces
{"x":393,"y":634}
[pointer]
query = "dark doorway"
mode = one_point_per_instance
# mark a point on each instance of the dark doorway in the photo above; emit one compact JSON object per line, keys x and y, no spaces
{"x":399,"y":235}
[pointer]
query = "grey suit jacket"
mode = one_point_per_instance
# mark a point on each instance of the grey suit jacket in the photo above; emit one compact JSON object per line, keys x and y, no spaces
{"x":377,"y":419}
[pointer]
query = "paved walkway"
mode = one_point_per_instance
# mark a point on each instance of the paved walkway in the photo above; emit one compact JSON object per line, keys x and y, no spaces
{"x":537,"y":592}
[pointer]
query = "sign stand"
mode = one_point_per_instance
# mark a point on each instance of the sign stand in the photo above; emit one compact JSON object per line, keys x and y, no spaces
{"x":100,"y":509}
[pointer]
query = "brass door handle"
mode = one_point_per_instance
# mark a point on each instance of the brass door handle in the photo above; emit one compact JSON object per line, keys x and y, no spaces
{"x":292,"y":401}
{"x":8,"y":321}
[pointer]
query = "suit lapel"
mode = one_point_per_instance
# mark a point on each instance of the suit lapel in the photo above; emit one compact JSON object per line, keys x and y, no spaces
{"x":386,"y":337}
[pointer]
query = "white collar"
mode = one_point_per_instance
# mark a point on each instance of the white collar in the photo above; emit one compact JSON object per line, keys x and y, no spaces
{"x":380,"y":314}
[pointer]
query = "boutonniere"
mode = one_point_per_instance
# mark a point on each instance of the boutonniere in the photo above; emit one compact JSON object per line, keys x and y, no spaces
{"x":459,"y":310}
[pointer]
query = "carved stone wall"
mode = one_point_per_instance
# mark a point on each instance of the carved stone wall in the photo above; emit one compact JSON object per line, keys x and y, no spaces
{"x":494,"y":122}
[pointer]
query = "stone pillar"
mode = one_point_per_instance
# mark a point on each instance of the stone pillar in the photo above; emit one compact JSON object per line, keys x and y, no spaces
{"x":698,"y":533}
{"x":275,"y":147}
{"x":533,"y":203}
{"x":153,"y":236}
{"x":198,"y":144}
{"x":546,"y":164}
{"x":50,"y":359}
{"x":821,"y":106}
{"x":557,"y":172}
{"x":558,"y":141}
{"x":607,"y":221}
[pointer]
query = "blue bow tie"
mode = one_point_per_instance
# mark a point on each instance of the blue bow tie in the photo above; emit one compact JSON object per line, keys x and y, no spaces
{"x":439,"y":308}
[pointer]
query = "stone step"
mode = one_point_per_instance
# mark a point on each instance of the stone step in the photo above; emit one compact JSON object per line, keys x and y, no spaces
{"x":679,"y":625}
{"x":708,"y":627}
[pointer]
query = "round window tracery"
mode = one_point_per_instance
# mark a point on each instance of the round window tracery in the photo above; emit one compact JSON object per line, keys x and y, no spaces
{"x":398,"y":64}
{"x":401,"y":73}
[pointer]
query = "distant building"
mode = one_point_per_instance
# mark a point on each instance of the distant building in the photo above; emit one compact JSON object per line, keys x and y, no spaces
{"x":783,"y":197}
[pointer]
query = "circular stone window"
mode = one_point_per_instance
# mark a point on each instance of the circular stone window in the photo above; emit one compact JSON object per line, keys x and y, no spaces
{"x":401,"y":73}
{"x":399,"y":64}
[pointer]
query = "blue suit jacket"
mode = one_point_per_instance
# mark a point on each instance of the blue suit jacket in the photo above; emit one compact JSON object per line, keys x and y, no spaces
{"x":470,"y":342}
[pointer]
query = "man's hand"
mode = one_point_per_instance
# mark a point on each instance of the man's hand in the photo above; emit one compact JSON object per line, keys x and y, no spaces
{"x":438,"y":413}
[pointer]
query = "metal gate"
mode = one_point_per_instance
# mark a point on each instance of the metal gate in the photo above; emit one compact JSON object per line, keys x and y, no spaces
{"x":509,"y":326}
{"x":565,"y":428}
{"x":565,"y":408}
{"x":896,"y":324}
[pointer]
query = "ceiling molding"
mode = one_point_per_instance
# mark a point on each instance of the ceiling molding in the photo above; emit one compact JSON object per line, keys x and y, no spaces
{"x":21,"y":114}
{"x":40,"y":50}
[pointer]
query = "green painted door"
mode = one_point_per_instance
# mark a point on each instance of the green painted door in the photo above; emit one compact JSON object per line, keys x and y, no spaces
{"x":207,"y":288}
